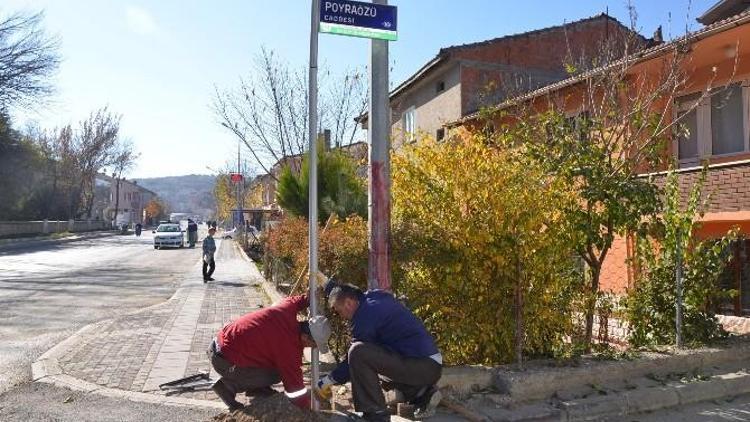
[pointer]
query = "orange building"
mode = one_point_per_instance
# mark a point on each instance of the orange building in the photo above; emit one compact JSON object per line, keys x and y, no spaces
{"x":716,"y":60}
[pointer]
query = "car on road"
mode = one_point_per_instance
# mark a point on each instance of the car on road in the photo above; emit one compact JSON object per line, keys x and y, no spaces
{"x":169,"y":234}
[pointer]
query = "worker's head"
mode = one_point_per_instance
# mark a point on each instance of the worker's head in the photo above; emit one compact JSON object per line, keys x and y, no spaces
{"x":212,"y":231}
{"x":344,"y":299}
{"x":315,"y":333}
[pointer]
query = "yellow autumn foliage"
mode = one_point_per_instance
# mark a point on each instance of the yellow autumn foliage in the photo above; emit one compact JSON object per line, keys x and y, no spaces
{"x":473,"y":222}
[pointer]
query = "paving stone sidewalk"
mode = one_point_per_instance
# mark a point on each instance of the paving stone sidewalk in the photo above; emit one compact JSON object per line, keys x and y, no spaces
{"x":168,"y":341}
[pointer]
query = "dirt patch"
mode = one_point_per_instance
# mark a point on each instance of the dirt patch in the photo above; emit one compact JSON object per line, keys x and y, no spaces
{"x":270,"y":409}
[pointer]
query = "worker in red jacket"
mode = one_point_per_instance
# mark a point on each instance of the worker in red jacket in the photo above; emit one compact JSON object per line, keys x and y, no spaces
{"x":264,"y":347}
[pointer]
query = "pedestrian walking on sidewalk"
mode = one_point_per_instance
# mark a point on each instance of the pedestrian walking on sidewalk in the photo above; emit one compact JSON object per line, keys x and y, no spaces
{"x":389,"y":345}
{"x":209,"y":249}
{"x":192,"y":231}
{"x":264,"y":347}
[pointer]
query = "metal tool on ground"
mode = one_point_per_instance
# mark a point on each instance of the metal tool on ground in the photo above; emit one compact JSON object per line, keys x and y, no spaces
{"x":197,"y":382}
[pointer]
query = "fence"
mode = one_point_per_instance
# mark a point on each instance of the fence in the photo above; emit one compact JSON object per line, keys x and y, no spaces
{"x":25,"y":228}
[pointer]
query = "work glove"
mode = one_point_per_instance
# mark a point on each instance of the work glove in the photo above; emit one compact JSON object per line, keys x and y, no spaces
{"x":324,"y":388}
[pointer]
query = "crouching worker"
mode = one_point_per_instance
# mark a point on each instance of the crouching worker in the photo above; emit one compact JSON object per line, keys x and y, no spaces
{"x":263,"y":348}
{"x":389,"y":344}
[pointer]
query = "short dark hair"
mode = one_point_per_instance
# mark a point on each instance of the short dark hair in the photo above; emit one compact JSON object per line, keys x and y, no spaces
{"x":304,"y":328}
{"x":343,"y":291}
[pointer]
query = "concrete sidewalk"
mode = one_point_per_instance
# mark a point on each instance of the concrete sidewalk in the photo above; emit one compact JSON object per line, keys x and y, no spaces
{"x":130,"y":355}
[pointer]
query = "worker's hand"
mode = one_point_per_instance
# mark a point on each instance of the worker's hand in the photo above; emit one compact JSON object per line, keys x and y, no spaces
{"x":324,"y":388}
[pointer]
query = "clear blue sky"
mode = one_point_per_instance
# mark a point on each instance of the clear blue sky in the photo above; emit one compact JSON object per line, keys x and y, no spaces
{"x":156,"y":62}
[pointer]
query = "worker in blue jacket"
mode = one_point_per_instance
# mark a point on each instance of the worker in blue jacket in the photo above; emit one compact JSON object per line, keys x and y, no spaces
{"x":390,"y":344}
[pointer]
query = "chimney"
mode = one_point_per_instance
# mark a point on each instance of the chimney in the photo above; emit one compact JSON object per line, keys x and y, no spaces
{"x":658,"y":38}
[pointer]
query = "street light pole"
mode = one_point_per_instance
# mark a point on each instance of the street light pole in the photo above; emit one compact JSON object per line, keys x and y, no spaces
{"x":312,"y":220}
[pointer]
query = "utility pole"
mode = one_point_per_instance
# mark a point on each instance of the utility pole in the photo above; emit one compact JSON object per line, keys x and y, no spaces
{"x":379,"y":210}
{"x":312,"y":220}
{"x":237,"y":185}
{"x":678,"y":292}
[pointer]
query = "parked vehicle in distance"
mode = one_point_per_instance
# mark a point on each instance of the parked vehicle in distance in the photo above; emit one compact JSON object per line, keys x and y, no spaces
{"x":168,"y":234}
{"x":229,"y":234}
{"x":251,"y":231}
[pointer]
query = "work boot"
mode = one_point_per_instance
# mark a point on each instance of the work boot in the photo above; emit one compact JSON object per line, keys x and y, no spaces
{"x":426,"y":402}
{"x":226,"y":396}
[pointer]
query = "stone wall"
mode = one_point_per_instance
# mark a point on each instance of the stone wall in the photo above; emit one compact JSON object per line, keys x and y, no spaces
{"x":14,"y":228}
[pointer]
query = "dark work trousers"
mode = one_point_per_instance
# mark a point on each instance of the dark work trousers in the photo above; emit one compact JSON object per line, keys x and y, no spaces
{"x":241,"y":379}
{"x":369,"y":363}
{"x":208,"y":268}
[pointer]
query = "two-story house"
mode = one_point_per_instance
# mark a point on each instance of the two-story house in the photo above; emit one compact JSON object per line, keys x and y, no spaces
{"x":717,"y":62}
{"x":131,"y":203}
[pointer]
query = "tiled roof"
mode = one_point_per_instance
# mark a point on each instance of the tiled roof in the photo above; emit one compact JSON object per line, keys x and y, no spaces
{"x":638,"y":57}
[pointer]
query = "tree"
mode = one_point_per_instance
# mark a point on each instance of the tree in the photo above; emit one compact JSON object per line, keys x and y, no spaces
{"x":155,"y":209}
{"x":225,"y":197}
{"x":268,"y":112}
{"x":123,"y":160}
{"x":481,"y":226}
{"x":225,"y":191}
{"x":21,"y":164}
{"x":340,"y":190}
{"x":28,"y":58}
{"x":651,"y":304}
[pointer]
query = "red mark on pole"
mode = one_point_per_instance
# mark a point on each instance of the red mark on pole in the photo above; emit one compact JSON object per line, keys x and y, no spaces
{"x":380,"y":224}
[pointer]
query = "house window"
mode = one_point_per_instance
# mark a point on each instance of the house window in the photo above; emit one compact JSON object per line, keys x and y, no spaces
{"x":736,"y":276}
{"x":687,"y":139}
{"x":440,"y":134}
{"x":410,"y":124}
{"x":440,"y":87}
{"x":727,"y":120}
{"x":716,"y":125}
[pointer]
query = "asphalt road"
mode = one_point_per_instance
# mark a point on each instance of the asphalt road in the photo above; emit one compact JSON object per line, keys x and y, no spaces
{"x":47,"y":292}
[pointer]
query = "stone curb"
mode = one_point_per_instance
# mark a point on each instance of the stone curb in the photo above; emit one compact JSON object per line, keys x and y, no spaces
{"x":47,"y":369}
{"x":655,"y":398}
{"x":542,"y":382}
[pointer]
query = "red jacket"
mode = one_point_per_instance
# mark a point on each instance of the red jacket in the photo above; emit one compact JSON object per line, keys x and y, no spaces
{"x":269,"y":338}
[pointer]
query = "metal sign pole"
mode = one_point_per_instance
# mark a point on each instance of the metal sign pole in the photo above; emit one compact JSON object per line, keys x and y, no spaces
{"x":379,"y":221}
{"x":678,"y":295}
{"x":313,"y":194}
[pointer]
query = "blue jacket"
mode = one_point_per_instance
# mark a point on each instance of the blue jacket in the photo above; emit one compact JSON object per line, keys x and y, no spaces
{"x":383,"y":320}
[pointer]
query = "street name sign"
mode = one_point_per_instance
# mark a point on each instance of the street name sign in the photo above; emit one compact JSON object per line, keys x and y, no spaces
{"x":358,"y":19}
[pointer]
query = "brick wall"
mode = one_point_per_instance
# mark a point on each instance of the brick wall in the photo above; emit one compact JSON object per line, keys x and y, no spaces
{"x":537,"y":51}
{"x":615,"y":275}
{"x":728,"y":186}
{"x":729,"y":189}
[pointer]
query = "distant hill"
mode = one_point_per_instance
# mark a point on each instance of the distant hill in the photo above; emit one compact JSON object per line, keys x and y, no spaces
{"x":192,"y":193}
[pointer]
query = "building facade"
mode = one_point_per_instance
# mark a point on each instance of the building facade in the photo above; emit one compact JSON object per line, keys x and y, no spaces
{"x":462,"y":79}
{"x":713,"y":105}
{"x":129,"y":208}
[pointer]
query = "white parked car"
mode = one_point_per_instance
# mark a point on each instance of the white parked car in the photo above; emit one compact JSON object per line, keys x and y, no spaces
{"x":169,"y":234}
